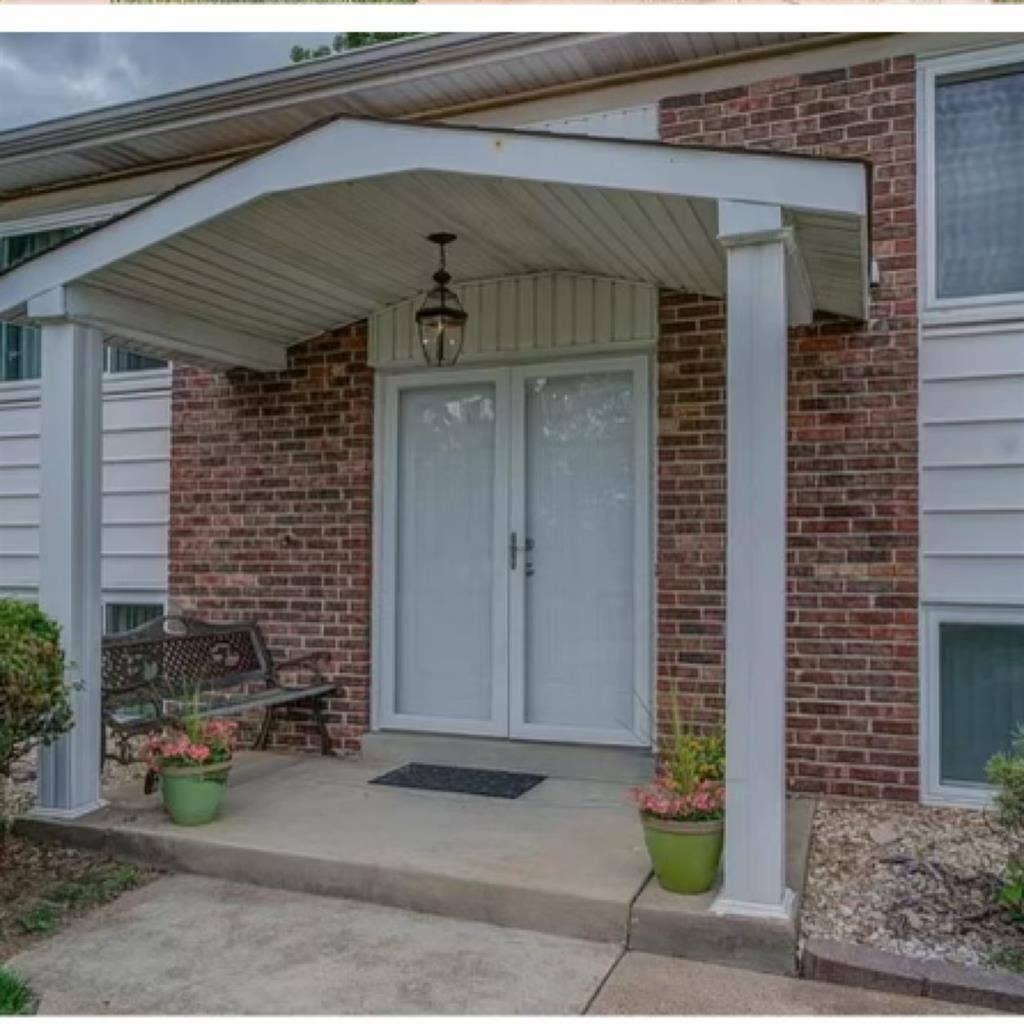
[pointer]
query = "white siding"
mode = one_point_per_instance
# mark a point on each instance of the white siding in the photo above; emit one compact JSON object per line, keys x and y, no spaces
{"x":136,"y":461}
{"x":519,"y":316}
{"x":627,"y":123}
{"x":972,"y":464}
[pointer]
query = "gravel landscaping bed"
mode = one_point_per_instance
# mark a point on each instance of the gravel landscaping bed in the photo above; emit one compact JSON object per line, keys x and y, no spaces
{"x":25,"y":774}
{"x":920,"y":881}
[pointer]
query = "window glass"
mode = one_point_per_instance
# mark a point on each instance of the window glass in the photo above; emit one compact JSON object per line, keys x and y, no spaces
{"x":122,"y":617}
{"x":120,"y":360}
{"x":979,"y":183}
{"x":20,"y":357}
{"x":981,"y":695}
{"x":19,"y":352}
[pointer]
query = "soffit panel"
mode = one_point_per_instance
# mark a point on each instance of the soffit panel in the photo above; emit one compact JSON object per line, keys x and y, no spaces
{"x":290,"y":265}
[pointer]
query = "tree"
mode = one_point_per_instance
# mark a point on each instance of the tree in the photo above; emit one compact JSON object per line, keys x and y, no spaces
{"x":346,"y":41}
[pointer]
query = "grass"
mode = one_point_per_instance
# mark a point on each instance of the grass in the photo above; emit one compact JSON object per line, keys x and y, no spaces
{"x":90,"y":890}
{"x":1008,"y":959}
{"x":16,"y":998}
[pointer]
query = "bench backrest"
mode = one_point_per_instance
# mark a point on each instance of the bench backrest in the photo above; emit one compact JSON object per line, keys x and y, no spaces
{"x":173,"y":656}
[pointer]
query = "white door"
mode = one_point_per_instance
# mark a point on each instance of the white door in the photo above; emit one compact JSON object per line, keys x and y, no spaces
{"x":514,"y":552}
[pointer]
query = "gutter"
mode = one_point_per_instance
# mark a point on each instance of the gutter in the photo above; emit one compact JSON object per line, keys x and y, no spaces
{"x":381,"y":63}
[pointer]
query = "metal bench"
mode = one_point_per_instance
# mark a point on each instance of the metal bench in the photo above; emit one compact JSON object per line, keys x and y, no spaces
{"x":150,"y":676}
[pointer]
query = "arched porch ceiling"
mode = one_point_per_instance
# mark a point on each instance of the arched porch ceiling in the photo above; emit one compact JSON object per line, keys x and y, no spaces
{"x":329,"y":227}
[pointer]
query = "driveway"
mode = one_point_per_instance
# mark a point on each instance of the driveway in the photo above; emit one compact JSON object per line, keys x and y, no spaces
{"x":192,"y":945}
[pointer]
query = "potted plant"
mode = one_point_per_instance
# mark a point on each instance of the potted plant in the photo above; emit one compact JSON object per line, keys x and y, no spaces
{"x":192,"y":765}
{"x":683,"y":811}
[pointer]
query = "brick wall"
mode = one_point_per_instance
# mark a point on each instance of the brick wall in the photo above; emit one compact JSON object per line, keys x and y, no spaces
{"x":271,"y":512}
{"x":853,"y":526}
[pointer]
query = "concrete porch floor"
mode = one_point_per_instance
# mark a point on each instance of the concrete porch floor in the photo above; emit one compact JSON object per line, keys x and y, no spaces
{"x":567,"y":858}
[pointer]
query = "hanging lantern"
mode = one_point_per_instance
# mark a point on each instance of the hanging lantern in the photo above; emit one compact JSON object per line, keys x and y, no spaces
{"x":441,"y":320}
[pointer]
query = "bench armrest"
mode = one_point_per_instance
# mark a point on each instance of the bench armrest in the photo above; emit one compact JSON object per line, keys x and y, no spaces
{"x":312,"y":660}
{"x":302,"y":659}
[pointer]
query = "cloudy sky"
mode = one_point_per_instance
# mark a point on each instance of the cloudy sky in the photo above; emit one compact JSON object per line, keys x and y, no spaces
{"x":53,"y":74}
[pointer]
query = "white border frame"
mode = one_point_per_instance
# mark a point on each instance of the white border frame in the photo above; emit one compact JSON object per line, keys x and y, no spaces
{"x":386,"y":385}
{"x":962,"y":309}
{"x":933,"y":789}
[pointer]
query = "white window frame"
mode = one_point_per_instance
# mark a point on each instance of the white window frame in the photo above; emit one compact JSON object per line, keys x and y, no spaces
{"x":933,"y":789}
{"x":968,"y":308}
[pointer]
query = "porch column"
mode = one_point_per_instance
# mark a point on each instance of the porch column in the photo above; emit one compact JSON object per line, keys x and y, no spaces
{"x":69,"y":553}
{"x":755,"y":659}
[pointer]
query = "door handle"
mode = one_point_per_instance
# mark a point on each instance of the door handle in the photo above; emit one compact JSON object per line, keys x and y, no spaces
{"x":514,"y":549}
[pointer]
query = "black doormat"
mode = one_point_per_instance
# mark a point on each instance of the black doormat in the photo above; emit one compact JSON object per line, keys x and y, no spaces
{"x":477,"y":781}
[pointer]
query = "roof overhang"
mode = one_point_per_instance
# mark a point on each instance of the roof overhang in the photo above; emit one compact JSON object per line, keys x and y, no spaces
{"x":426,"y":77}
{"x":329,"y":226}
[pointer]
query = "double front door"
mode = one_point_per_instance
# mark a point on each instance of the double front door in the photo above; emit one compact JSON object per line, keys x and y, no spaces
{"x":513,"y":547}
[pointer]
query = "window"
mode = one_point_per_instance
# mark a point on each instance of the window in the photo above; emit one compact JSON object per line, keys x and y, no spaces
{"x":978,"y":182}
{"x":981,"y":696}
{"x":121,"y":360}
{"x":119,"y":618}
{"x":973,"y":696}
{"x":19,"y":352}
{"x":20,"y":355}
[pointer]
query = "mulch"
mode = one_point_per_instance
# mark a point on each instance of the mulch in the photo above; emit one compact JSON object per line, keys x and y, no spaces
{"x":55,"y":883}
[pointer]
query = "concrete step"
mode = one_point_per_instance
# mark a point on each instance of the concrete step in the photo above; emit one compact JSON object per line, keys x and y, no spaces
{"x":626,"y":765}
{"x":566,"y":858}
{"x":672,"y":924}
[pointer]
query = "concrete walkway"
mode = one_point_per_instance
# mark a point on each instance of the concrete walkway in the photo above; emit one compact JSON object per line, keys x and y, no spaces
{"x":192,"y":945}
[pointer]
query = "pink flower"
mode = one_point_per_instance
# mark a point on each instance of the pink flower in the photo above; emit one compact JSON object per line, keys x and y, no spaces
{"x":705,"y":803}
{"x":198,"y":752}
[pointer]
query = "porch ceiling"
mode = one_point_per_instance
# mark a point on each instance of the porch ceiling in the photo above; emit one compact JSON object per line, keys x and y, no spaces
{"x":330,"y":226}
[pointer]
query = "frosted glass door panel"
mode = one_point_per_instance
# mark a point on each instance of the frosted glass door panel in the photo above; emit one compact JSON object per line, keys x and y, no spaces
{"x":445,"y":552}
{"x":580,"y":509}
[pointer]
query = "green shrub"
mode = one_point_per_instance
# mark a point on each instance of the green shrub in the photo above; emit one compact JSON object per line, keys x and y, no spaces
{"x":16,"y":998}
{"x":1005,"y":771}
{"x":35,"y":704}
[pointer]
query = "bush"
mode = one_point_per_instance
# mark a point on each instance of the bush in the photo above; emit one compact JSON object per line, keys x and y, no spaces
{"x":16,"y":998}
{"x":1005,"y":771}
{"x":35,"y":704}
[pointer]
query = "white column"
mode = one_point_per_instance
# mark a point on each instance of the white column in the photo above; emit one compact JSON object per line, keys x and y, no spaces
{"x":755,"y":631}
{"x":69,"y":549}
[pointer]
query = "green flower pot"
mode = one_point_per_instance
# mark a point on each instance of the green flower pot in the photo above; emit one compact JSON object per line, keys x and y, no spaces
{"x":193,"y":795}
{"x":685,"y":854}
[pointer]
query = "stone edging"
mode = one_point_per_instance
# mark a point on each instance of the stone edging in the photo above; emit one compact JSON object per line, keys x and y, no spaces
{"x":866,"y":967}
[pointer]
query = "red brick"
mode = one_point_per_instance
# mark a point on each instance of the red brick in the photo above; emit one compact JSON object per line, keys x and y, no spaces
{"x":853,"y":529}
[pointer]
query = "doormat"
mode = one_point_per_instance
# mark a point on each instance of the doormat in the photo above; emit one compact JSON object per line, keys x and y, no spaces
{"x":476,"y":781}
